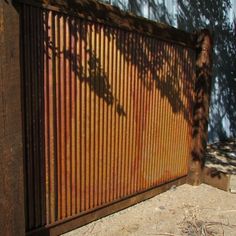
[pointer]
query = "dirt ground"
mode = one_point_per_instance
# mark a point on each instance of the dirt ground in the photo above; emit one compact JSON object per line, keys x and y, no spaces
{"x":185,"y":210}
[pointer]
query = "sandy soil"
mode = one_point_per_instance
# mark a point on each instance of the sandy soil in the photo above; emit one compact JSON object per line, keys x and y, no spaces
{"x":186,"y":210}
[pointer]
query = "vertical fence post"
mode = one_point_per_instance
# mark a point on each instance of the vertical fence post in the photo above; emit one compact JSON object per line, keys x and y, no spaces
{"x":11,"y":154}
{"x":202,"y":91}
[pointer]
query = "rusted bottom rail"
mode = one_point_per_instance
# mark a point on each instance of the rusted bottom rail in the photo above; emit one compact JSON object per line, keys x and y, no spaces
{"x":74,"y":222}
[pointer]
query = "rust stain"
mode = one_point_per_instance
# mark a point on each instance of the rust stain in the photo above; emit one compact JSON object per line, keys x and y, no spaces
{"x":114,"y":117}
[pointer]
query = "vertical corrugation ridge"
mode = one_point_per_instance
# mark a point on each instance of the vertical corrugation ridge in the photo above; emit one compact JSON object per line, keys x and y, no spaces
{"x":163,"y":112}
{"x":148,"y":106}
{"x":70,"y":106}
{"x":62,"y":115}
{"x":36,"y":130}
{"x":46,"y":110}
{"x":116,"y":94}
{"x":172,"y":119}
{"x":178,"y":81}
{"x":145,"y":111}
{"x":161,"y":126}
{"x":58,"y":101}
{"x":110,"y":187}
{"x":176,"y":123}
{"x":156,"y":113}
{"x":167,"y":117}
{"x":78,"y":122}
{"x":108,"y":123}
{"x":136,"y":113}
{"x":75,"y":71}
{"x":100,"y":104}
{"x":181,"y":134}
{"x":139,"y":116}
{"x":96,"y":120}
{"x":152,"y":121}
{"x":149,"y":87}
{"x":141,"y":161}
{"x":73,"y":119}
{"x":103,"y":130}
{"x":117,"y":113}
{"x":87,"y":114}
{"x":158,"y":101}
{"x":169,"y":113}
{"x":113,"y":156}
{"x":80,"y":141}
{"x":132,"y":101}
{"x":91,"y":76}
{"x":124,"y":116}
{"x":126,"y":47}
{"x":54,"y":111}
{"x":131,"y":139}
{"x":41,"y":118}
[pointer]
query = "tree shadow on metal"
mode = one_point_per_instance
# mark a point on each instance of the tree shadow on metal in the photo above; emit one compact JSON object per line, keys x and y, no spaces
{"x":149,"y":59}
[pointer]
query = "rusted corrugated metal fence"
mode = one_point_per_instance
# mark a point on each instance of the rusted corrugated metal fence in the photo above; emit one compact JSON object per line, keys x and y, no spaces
{"x":108,"y":112}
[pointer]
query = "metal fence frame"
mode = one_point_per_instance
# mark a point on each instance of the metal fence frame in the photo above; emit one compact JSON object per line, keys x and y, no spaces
{"x":101,"y":13}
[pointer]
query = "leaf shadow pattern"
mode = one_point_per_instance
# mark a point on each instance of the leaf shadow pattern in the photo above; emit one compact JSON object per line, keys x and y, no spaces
{"x":215,"y":17}
{"x":169,"y":65}
{"x":140,"y":51}
{"x":149,"y":57}
{"x":96,"y":78}
{"x":222,"y":156}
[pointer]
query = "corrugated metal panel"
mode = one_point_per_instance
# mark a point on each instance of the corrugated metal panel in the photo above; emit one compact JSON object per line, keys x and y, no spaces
{"x":109,"y":114}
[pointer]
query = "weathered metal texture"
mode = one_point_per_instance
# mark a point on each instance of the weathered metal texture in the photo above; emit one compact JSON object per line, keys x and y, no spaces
{"x":109,"y":114}
{"x":105,"y":13}
{"x":11,"y":154}
{"x":204,"y":46}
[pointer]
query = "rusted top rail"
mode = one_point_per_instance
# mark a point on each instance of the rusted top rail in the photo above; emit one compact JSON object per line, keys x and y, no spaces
{"x":110,"y":15}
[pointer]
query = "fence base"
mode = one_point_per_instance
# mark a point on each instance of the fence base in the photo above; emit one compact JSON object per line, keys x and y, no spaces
{"x":74,"y":222}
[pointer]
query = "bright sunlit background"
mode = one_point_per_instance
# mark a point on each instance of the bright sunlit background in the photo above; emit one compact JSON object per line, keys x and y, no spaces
{"x":219,"y":17}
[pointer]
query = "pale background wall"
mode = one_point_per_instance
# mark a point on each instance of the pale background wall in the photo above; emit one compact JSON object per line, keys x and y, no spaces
{"x":219,"y":17}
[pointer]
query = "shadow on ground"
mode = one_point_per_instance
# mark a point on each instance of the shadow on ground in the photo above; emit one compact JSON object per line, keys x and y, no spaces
{"x":222,"y":156}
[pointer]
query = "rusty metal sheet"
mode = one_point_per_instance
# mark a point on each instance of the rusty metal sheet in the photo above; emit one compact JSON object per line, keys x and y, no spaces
{"x":109,"y":114}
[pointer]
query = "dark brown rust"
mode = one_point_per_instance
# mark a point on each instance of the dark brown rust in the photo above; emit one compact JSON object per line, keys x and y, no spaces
{"x":12,"y":221}
{"x":204,"y":46}
{"x":103,"y":13}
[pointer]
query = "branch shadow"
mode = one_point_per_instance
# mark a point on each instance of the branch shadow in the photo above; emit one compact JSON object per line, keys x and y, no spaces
{"x":152,"y":59}
{"x":215,"y":16}
{"x":222,"y":156}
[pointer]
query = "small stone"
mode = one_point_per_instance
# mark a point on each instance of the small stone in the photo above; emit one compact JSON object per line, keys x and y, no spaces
{"x":162,"y":208}
{"x":173,"y":188}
